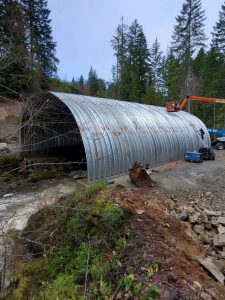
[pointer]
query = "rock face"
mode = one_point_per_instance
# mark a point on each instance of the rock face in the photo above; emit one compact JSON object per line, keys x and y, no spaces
{"x":219,"y":240}
{"x":209,"y":226}
{"x":212,"y":268}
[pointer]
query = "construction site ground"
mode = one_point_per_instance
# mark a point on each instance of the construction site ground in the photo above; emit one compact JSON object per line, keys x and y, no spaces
{"x":185,"y":257}
{"x":182,"y":178}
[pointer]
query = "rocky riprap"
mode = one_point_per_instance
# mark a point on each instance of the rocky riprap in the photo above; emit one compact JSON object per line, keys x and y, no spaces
{"x":207,"y":223}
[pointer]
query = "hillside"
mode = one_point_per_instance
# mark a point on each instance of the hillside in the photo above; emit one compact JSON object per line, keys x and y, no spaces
{"x":113,"y":242}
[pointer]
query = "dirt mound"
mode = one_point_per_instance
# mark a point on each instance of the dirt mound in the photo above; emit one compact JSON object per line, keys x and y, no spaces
{"x":170,"y":242}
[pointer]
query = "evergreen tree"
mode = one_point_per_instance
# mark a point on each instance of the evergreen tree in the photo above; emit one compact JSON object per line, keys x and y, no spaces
{"x":188,"y":33}
{"x":198,"y":63}
{"x":214,"y":74}
{"x":219,"y":31}
{"x":131,"y":71}
{"x":93,"y":82}
{"x":209,"y":68}
{"x":42,"y":48}
{"x":157,"y":65}
{"x":187,"y":37}
{"x":119,"y":45}
{"x":173,"y":76}
{"x":81,"y":80}
{"x":13,"y":52}
{"x":101,"y":87}
{"x":138,"y":61}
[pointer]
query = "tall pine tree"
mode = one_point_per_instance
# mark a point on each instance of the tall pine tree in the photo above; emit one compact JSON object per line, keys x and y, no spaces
{"x":93,"y":82}
{"x":157,"y":65}
{"x":120,"y":76}
{"x":188,"y":33}
{"x":173,"y":76}
{"x":42,"y":48}
{"x":187,"y":37}
{"x":219,"y":32}
{"x":14,"y":56}
{"x":138,"y":61}
{"x":132,"y":68}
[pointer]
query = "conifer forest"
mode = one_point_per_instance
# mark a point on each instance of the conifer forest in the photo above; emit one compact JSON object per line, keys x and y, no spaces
{"x":192,"y":65}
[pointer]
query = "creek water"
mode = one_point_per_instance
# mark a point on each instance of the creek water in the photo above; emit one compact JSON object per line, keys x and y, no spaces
{"x":15,"y":210}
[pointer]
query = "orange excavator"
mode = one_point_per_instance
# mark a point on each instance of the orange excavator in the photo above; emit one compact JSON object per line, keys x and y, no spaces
{"x":174,"y":106}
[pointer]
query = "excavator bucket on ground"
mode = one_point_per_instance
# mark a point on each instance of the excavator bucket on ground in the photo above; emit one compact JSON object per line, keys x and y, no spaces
{"x":140,"y":176}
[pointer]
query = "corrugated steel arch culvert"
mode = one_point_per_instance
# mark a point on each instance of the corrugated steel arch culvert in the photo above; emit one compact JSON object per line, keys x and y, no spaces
{"x":115,"y":134}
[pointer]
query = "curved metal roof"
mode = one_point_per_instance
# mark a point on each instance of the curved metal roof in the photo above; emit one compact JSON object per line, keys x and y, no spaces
{"x":116,"y":134}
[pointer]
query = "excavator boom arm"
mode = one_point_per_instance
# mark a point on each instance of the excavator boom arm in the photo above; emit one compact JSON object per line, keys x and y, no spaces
{"x":173,"y":106}
{"x":198,"y":98}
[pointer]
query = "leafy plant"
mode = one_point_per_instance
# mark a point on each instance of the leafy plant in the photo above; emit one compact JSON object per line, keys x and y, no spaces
{"x":120,"y":244}
{"x":77,"y":226}
{"x":154,"y":266}
{"x":128,"y":281}
{"x":63,"y":287}
{"x":83,"y":260}
{"x":113,"y":214}
{"x":61,"y":260}
{"x":151,"y":293}
{"x":137,"y":288}
{"x":99,"y":268}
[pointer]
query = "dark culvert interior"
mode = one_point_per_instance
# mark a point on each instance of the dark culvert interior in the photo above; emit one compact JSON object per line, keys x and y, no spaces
{"x":49,"y":129}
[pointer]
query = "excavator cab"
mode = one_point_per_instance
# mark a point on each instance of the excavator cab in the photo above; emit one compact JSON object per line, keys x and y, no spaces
{"x":172,"y":106}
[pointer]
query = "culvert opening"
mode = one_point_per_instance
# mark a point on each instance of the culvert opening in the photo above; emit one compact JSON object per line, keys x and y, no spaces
{"x":48,"y":128}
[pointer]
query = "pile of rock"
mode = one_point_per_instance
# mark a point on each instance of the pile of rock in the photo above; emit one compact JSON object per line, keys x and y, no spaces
{"x":207,"y":223}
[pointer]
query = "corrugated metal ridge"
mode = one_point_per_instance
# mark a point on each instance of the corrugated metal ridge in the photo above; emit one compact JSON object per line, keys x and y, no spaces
{"x":116,"y":133}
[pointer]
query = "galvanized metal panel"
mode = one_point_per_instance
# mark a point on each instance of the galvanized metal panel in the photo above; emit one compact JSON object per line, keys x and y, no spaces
{"x":116,"y":133}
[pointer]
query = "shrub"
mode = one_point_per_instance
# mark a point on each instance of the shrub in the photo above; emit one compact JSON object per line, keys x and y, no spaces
{"x":62,"y":260}
{"x":85,"y":244}
{"x":84,"y":256}
{"x":9,"y":178}
{"x":42,"y":175}
{"x":9,"y":161}
{"x":76,"y":225}
{"x":113,"y":214}
{"x":94,"y":188}
{"x":151,"y":293}
{"x":63,"y":287}
{"x":99,"y":268}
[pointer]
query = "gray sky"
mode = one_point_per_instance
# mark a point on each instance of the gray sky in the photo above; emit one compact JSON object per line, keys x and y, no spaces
{"x":83,"y":29}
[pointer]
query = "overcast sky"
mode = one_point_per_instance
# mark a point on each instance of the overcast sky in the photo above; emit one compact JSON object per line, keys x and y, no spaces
{"x":83,"y":29}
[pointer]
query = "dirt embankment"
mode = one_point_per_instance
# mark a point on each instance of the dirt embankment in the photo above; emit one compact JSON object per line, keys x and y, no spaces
{"x":163,"y":251}
{"x":9,"y":119}
{"x":173,"y":244}
{"x":182,"y":222}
